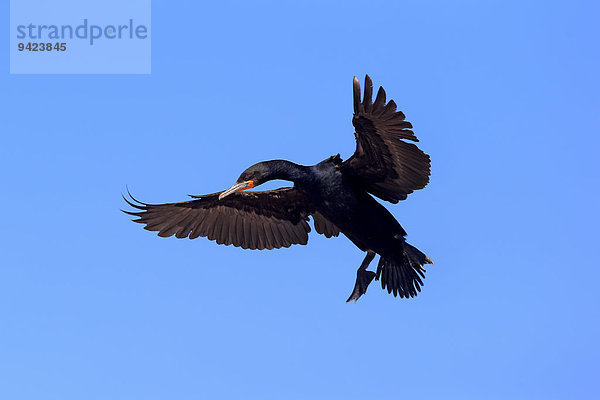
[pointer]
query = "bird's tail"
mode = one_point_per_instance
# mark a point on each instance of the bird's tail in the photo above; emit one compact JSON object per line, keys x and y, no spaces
{"x":402,"y":273}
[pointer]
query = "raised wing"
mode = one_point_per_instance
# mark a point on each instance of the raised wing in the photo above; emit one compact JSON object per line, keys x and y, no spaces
{"x":387,"y":166}
{"x":251,"y":220}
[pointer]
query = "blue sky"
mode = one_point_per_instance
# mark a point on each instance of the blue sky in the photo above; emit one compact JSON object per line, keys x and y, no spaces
{"x":504,"y":97}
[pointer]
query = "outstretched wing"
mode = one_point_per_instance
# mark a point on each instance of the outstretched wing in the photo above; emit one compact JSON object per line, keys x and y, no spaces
{"x":252,"y":220}
{"x":387,"y":166}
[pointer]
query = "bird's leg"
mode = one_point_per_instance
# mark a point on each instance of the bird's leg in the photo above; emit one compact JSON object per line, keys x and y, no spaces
{"x":363,"y":277}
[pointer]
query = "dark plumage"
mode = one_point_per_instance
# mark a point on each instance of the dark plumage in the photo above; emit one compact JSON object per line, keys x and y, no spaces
{"x":337,"y":194}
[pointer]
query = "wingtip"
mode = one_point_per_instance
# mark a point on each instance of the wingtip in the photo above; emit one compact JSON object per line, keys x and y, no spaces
{"x":368,"y":95}
{"x":140,"y":204}
{"x":356,"y":95}
{"x":133,"y":213}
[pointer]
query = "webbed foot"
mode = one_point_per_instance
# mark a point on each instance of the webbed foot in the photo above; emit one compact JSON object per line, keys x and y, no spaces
{"x":363,"y":278}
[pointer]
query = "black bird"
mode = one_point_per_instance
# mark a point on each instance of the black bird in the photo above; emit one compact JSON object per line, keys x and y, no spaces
{"x":338,"y":195}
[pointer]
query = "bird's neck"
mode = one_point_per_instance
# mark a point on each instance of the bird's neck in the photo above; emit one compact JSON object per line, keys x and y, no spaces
{"x":288,"y":171}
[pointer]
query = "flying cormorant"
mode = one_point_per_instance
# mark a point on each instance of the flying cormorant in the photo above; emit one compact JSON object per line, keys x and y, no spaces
{"x":337,"y":194}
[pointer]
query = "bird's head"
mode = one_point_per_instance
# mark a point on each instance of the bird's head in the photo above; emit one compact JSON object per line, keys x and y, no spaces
{"x":251,"y":177}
